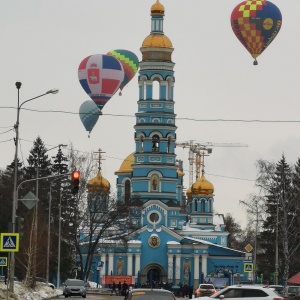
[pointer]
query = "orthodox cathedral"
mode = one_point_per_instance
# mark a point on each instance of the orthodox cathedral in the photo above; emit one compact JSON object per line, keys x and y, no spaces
{"x":181,"y":239}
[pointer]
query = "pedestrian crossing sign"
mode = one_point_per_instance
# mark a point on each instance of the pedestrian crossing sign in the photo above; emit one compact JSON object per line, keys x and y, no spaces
{"x":9,"y":242}
{"x":3,"y":261}
{"x":248,"y":267}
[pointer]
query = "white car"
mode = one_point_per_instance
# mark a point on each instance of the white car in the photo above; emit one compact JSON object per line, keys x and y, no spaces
{"x":245,"y":292}
{"x":43,"y":281}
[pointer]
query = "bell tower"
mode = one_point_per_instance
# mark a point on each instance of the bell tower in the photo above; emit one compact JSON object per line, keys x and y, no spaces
{"x":155,"y":173}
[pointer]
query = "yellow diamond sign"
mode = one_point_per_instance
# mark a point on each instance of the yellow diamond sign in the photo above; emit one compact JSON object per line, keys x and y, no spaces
{"x":249,"y":248}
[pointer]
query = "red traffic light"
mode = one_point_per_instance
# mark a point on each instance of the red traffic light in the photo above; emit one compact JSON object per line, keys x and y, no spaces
{"x":75,"y":175}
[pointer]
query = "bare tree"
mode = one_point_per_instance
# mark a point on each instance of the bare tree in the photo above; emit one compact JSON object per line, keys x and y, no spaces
{"x":106,"y":222}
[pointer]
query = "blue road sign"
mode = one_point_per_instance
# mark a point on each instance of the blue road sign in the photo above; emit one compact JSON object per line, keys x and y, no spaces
{"x":3,"y":261}
{"x":100,"y":264}
{"x":9,"y":242}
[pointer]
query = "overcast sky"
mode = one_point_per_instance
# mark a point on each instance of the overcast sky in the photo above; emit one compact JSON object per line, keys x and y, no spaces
{"x":43,"y":43}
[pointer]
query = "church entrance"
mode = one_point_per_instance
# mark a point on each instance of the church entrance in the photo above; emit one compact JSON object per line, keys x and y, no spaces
{"x":152,"y":273}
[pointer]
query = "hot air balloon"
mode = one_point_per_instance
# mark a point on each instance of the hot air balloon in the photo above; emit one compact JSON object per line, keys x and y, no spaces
{"x":89,"y":114}
{"x":256,"y":23}
{"x":130,"y":64}
{"x":100,"y":76}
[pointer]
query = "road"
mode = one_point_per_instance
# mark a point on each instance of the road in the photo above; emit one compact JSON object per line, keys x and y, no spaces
{"x":96,"y":296}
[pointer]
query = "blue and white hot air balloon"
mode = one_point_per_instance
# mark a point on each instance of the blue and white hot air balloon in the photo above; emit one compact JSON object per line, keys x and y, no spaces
{"x":89,"y":114}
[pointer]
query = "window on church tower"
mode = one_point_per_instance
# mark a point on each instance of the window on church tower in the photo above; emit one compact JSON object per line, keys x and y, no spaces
{"x":141,"y":144}
{"x":203,"y":205}
{"x":169,"y":89}
{"x":127,"y":191}
{"x":155,"y":90}
{"x":155,"y":143}
{"x":169,"y":144}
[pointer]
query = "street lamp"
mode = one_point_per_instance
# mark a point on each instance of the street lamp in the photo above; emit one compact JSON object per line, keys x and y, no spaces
{"x":276,"y":246}
{"x":14,"y":204}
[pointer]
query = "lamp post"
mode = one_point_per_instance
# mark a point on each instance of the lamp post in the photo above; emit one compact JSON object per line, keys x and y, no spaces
{"x":15,"y":200}
{"x":276,"y":247}
{"x":59,"y":241}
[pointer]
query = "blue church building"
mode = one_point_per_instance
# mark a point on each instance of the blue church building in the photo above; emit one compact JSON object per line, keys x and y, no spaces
{"x":181,"y":239}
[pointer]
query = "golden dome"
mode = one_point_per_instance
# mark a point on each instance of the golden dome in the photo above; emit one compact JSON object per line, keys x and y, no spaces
{"x":189,"y":193}
{"x":126,"y":165}
{"x":98,"y":184}
{"x":157,"y":41}
{"x":202,"y":187}
{"x":179,"y":172}
{"x":157,"y":8}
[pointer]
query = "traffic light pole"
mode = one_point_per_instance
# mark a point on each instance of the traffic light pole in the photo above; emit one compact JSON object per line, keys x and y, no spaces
{"x":40,"y":178}
{"x":16,"y":198}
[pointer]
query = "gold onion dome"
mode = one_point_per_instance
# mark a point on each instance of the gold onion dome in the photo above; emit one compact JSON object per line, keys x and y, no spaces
{"x":202,"y":187}
{"x":98,"y":184}
{"x":156,"y":40}
{"x":189,"y":193}
{"x":126,"y":164}
{"x":157,"y":8}
{"x":179,"y":172}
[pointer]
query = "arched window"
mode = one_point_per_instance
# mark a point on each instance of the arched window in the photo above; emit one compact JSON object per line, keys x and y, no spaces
{"x":169,"y":89}
{"x":127,"y":191}
{"x":169,"y":144}
{"x":155,"y":143}
{"x":155,"y":90}
{"x":141,"y":144}
{"x":144,"y":91}
{"x":203,"y":206}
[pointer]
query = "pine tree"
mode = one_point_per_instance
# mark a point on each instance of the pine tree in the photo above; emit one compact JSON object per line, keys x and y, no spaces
{"x":61,"y":196}
{"x":281,"y":220}
{"x":35,"y":246}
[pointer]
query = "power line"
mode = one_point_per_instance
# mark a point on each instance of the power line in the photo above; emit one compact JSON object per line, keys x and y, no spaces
{"x":6,"y":131}
{"x":177,"y":118}
{"x":122,"y":159}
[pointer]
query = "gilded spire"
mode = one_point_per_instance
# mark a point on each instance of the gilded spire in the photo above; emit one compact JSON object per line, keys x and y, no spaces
{"x":157,"y":8}
{"x":99,"y":184}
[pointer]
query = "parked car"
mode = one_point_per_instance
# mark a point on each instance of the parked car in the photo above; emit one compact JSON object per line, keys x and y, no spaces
{"x":290,"y":291}
{"x":205,"y":289}
{"x":245,"y":292}
{"x":2,"y":279}
{"x":149,"y":294}
{"x":297,"y":295}
{"x":44,"y":281}
{"x":74,"y":287}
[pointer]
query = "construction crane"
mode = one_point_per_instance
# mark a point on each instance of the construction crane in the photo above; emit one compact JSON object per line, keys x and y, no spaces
{"x":195,"y":149}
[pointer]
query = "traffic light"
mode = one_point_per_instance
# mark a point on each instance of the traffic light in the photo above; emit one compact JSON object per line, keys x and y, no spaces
{"x":20,"y":226}
{"x":75,"y":181}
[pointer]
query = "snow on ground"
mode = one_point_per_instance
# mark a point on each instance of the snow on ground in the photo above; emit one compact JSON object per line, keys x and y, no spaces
{"x":22,"y":293}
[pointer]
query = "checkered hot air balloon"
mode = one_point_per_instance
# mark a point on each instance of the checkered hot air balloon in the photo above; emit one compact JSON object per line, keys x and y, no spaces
{"x":256,"y":24}
{"x":100,"y":76}
{"x":130,"y":63}
{"x":89,"y":114}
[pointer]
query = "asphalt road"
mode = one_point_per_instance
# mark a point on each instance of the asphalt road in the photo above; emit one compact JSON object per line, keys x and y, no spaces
{"x":96,"y":296}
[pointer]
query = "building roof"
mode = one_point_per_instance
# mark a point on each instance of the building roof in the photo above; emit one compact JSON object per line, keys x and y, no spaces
{"x":294,"y":279}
